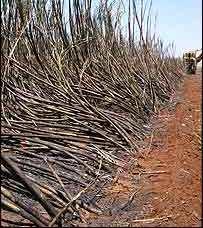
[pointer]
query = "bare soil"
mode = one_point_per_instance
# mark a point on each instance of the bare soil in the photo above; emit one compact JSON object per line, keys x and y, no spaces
{"x":162,"y":186}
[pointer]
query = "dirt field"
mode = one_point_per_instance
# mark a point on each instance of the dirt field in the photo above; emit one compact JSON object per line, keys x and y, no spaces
{"x":162,"y":187}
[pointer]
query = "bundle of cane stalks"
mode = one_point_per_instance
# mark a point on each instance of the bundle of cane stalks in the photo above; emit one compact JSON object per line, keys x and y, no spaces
{"x":76,"y":97}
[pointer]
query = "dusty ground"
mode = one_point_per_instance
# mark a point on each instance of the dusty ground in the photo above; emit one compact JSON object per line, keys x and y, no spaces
{"x":162,"y":187}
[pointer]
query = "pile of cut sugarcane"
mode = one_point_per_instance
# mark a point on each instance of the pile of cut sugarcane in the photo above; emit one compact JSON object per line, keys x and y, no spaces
{"x":76,"y":98}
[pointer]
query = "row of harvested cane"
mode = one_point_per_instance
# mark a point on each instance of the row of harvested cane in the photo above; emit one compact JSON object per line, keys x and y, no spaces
{"x":75,"y":102}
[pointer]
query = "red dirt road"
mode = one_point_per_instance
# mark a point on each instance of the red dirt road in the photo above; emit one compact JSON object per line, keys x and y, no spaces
{"x":178,"y":192}
{"x":162,"y":187}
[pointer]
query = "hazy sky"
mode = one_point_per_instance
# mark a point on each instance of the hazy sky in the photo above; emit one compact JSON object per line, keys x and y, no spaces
{"x":180,"y":21}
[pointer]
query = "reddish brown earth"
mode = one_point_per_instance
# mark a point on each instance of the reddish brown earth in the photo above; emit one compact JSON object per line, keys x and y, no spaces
{"x":162,"y":187}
